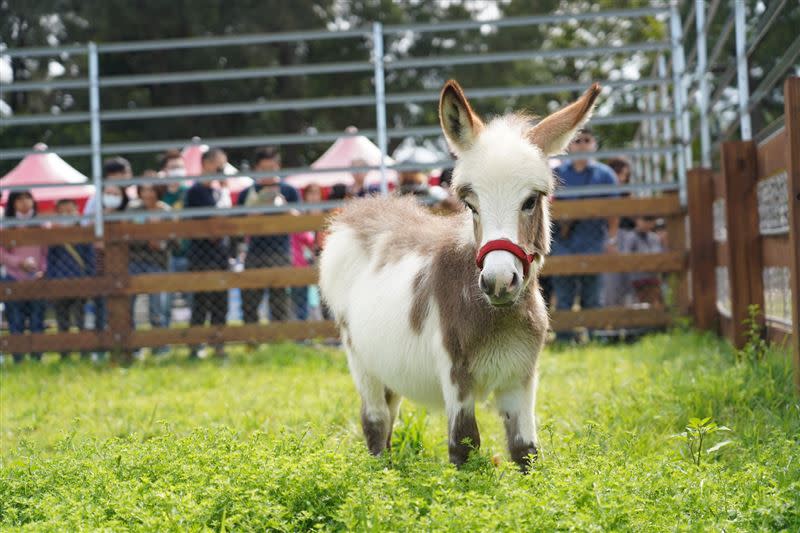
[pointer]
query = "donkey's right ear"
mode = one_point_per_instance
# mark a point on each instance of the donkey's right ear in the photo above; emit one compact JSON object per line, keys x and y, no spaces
{"x":554,"y":133}
{"x":460,"y":124}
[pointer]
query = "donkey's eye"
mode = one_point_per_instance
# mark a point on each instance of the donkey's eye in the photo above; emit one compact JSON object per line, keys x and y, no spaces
{"x":471,"y":208}
{"x":530,"y":203}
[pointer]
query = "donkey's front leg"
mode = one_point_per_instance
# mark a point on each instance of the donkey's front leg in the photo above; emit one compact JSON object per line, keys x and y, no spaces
{"x":517,"y":406}
{"x":463,"y":433}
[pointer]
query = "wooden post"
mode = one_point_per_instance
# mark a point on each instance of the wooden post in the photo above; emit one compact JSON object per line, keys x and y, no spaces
{"x":676,"y":237}
{"x":791,"y":96}
{"x":745,"y":264}
{"x":118,"y":305}
{"x":702,"y":249}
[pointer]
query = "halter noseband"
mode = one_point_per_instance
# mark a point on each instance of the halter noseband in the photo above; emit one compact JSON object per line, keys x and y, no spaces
{"x":506,"y":246}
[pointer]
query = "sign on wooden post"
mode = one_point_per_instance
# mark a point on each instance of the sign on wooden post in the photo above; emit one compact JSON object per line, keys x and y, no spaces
{"x":745,"y":265}
{"x":702,"y":256}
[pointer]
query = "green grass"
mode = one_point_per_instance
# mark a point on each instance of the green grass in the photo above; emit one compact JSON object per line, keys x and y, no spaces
{"x":271,"y":441}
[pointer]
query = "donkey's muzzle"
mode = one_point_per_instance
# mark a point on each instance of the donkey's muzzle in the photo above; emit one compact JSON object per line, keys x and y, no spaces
{"x":502,"y":282}
{"x":500,"y":288}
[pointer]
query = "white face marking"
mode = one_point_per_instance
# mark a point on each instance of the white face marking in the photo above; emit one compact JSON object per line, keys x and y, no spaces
{"x":502,"y":170}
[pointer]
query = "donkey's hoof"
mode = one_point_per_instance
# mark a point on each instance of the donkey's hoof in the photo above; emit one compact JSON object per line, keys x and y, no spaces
{"x":525,"y":456}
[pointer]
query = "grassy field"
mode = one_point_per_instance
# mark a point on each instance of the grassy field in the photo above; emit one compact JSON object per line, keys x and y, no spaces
{"x":271,"y":441}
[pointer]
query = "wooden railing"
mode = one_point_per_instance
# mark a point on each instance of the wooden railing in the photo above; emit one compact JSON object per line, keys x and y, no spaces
{"x":746,"y":251}
{"x":117,"y":286}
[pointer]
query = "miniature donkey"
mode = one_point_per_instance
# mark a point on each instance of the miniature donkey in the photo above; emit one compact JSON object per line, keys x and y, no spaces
{"x":445,"y":310}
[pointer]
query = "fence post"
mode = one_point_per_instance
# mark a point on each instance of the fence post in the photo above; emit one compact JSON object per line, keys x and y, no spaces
{"x":669,"y":158}
{"x":702,"y":251}
{"x":676,"y":237}
{"x":745,"y":264}
{"x":120,"y":319}
{"x":94,"y":111}
{"x":791,"y":96}
{"x":702,"y":101}
{"x":742,"y":83}
{"x":380,"y":101}
{"x":677,"y":94}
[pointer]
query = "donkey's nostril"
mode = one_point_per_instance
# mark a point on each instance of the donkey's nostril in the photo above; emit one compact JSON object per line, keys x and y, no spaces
{"x":514,"y":281}
{"x":484,"y":286}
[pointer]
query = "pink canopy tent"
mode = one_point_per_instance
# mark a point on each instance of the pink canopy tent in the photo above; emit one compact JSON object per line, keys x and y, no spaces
{"x":192,"y":156}
{"x":341,"y":154}
{"x":47,"y":168}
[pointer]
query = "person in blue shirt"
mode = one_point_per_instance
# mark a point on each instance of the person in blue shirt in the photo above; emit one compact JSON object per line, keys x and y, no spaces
{"x":208,"y":254}
{"x":588,"y":236}
{"x":270,"y":250}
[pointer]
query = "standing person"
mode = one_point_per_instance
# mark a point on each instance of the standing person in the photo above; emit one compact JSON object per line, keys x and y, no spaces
{"x":617,"y":289}
{"x":148,"y":257}
{"x":590,"y":236}
{"x":622,"y":169}
{"x":303,"y":255}
{"x":269,"y":250}
{"x":360,"y":189}
{"x":70,"y":261}
{"x":171,"y":165}
{"x":643,"y":239}
{"x":208,"y":254}
{"x":24,"y":263}
{"x":113,"y":200}
{"x":313,"y":195}
{"x":114,"y":168}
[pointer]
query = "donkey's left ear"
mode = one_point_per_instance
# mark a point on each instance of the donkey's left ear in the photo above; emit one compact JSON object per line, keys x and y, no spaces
{"x":554,"y":133}
{"x":460,"y":124}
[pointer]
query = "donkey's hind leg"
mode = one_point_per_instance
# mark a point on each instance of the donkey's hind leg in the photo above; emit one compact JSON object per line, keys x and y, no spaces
{"x":393,"y":402}
{"x":376,"y":417}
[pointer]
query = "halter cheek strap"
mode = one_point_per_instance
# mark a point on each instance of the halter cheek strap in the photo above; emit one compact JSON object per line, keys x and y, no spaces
{"x":506,"y":246}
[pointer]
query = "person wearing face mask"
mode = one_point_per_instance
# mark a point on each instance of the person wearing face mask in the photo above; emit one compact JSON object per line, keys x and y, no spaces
{"x":24,"y":263}
{"x":208,"y":254}
{"x":114,"y":168}
{"x":151,"y":256}
{"x":114,"y":199}
{"x":172,"y":166}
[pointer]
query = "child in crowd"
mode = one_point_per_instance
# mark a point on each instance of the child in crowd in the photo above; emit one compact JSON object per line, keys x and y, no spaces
{"x":24,"y":263}
{"x":67,"y":261}
{"x":643,"y":240}
{"x":304,"y":251}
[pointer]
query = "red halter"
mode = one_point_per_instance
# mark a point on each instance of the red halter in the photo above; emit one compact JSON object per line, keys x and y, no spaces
{"x":506,"y":246}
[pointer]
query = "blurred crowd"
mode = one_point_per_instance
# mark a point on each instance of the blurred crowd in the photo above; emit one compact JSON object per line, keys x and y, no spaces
{"x":251,"y":306}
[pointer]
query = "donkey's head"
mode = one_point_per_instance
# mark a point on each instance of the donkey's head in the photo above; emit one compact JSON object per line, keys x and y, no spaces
{"x":503,"y":177}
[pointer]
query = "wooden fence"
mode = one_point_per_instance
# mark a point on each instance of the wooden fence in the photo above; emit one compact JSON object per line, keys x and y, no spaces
{"x":745,"y":227}
{"x":118,"y":286}
{"x":743,"y":220}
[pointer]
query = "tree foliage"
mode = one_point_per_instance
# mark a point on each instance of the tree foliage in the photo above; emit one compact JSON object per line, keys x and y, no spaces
{"x":48,"y":22}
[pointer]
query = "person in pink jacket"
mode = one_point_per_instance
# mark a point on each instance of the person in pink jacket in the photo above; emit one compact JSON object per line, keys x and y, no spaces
{"x":303,"y":255}
{"x":23,"y":263}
